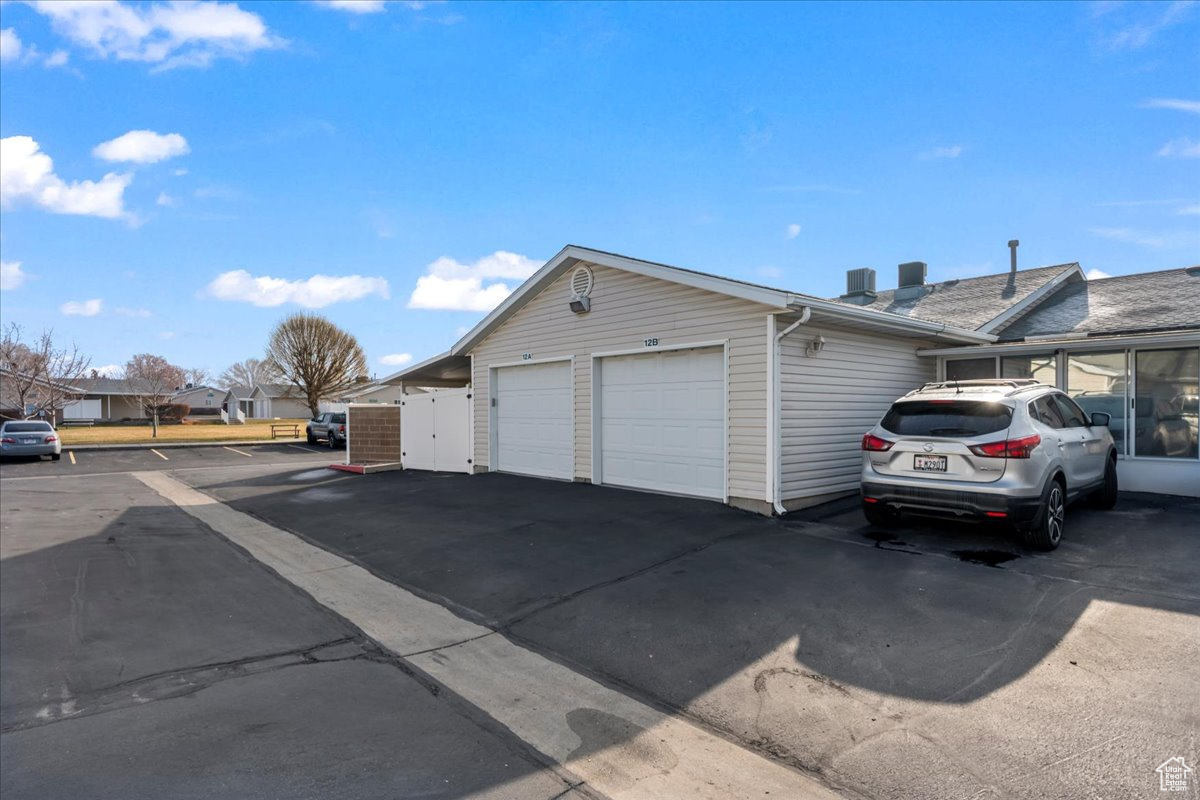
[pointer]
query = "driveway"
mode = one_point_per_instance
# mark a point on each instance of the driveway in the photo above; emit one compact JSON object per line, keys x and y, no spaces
{"x":936,"y":661}
{"x":142,"y":656}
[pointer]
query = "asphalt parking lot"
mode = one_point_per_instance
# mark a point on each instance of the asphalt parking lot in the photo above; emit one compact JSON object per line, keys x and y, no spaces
{"x":929,"y":661}
{"x":935,"y":661}
{"x":105,"y":461}
{"x":143,"y":656}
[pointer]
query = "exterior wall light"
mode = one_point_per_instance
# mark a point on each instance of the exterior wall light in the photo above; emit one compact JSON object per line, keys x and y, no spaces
{"x":581,"y":305}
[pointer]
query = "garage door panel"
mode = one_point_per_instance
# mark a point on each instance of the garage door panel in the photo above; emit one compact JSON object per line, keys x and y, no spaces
{"x":662,"y":421}
{"x":533,"y":420}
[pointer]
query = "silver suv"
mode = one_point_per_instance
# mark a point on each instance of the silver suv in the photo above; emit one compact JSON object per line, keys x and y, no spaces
{"x":1008,"y":451}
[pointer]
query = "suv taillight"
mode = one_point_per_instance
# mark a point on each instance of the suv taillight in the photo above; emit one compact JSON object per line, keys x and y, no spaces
{"x":874,"y":443}
{"x":341,"y":428}
{"x":50,"y":439}
{"x":8,"y":440}
{"x":1010,"y":448}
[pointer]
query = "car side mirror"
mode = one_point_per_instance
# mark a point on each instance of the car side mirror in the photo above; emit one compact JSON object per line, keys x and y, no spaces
{"x":1100,"y":419}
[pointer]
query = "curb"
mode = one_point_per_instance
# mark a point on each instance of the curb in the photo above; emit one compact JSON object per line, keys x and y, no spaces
{"x":164,"y":445}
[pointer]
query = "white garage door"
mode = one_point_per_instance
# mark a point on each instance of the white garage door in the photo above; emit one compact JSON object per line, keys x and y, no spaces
{"x":82,"y":409}
{"x":662,"y":421}
{"x":533,"y":420}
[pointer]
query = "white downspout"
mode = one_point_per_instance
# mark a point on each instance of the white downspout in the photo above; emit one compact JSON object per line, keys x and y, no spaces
{"x":775,"y":421}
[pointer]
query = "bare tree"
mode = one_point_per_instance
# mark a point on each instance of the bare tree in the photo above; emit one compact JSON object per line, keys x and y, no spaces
{"x":197,"y":376}
{"x":316,"y":356}
{"x":38,"y":376}
{"x":250,"y":372}
{"x":155,"y":380}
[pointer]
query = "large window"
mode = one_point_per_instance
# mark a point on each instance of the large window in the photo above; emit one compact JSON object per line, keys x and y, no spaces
{"x":967,"y":369}
{"x":1041,"y":368}
{"x":1166,"y":386}
{"x":1097,"y":382}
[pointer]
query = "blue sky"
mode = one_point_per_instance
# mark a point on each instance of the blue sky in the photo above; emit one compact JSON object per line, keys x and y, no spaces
{"x":178,"y":177}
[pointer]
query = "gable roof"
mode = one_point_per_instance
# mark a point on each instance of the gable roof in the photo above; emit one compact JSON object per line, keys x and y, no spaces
{"x":114,"y":386}
{"x":779,"y":299}
{"x":278,"y":390}
{"x":1142,"y":303}
{"x":984,"y":303}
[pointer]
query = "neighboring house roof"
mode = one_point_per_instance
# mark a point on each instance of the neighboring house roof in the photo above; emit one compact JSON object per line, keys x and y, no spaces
{"x":241,"y":392}
{"x":274,"y":390}
{"x":57,"y":384}
{"x":114,"y":386}
{"x":200,"y":390}
{"x":975,"y":303}
{"x":779,"y":299}
{"x":1142,"y":303}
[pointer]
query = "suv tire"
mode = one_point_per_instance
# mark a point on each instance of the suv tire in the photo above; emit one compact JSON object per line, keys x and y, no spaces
{"x":1106,"y":496}
{"x":311,"y":439}
{"x":1045,"y":532}
{"x":332,"y":442}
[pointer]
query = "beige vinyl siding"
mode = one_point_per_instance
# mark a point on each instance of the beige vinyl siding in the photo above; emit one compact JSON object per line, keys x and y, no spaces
{"x":627,"y":309}
{"x":829,"y":400}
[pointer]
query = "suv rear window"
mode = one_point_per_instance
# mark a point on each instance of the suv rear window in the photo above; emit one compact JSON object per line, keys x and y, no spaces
{"x":946,"y":418}
{"x":339,"y":419}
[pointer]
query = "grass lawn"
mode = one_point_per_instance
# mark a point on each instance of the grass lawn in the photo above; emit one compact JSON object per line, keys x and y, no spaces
{"x":140,"y":434}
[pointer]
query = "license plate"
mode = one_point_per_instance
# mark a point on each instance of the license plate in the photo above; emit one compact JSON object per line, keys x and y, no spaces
{"x":29,"y":440}
{"x":929,"y":463}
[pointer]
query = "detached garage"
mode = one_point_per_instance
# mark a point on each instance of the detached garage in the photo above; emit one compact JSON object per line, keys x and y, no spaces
{"x":615,"y":371}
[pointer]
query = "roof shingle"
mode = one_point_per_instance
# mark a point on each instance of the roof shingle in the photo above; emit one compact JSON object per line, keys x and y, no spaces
{"x":1148,"y":301}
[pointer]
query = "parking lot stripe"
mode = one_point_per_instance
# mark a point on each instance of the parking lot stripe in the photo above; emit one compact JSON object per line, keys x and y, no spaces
{"x":655,"y":755}
{"x":239,"y":452}
{"x":71,"y":454}
{"x":160,"y":455}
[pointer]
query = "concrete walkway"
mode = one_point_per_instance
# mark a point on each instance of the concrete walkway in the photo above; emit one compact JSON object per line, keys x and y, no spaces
{"x":613,"y":743}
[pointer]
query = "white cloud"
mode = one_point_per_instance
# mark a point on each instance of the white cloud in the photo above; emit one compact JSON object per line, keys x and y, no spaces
{"x":166,"y":200}
{"x":81,"y":308}
{"x":181,"y":171}
{"x":461,"y":331}
{"x":110,"y":370}
{"x":1128,"y":236}
{"x":793,"y":230}
{"x":58,"y":58}
{"x":1190,"y":211}
{"x":315,"y":292}
{"x":10,"y":45}
{"x":1181,"y":148}
{"x":1174,"y":104}
{"x":27,"y":174}
{"x":1139,"y":34}
{"x":354,"y":6}
{"x":11,"y":275}
{"x":954,"y":151}
{"x":142,"y":147}
{"x":396,"y":359}
{"x":176,"y":34}
{"x":166,"y":335}
{"x":131,"y":312}
{"x":1097,"y":274}
{"x":449,"y":285}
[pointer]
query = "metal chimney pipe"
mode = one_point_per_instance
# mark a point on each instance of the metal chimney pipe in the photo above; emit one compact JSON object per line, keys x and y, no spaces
{"x":1012,"y":247}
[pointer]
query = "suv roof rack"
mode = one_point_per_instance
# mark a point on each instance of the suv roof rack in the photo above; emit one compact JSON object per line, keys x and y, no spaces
{"x":1014,"y":385}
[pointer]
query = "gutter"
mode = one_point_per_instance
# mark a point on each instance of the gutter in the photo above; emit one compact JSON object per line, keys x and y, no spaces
{"x":889,"y":321}
{"x":774,"y":400}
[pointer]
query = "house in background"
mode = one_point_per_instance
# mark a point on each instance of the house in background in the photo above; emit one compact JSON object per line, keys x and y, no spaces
{"x":204,"y":402}
{"x":278,"y":400}
{"x":106,"y":399}
{"x":613,"y":370}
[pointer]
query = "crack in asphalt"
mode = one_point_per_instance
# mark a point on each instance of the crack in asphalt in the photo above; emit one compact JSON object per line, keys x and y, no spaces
{"x":173,"y":683}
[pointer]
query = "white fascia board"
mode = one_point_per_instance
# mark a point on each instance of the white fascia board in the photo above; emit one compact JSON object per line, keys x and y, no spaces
{"x":1068,"y":342}
{"x":893,"y":322}
{"x":396,"y":377}
{"x":572,"y":254}
{"x":1032,"y":299}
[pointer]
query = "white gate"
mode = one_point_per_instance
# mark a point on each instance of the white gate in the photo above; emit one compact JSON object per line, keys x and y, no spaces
{"x":435,"y":431}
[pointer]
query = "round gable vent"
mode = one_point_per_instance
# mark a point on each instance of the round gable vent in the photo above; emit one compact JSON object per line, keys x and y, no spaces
{"x":581,"y":282}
